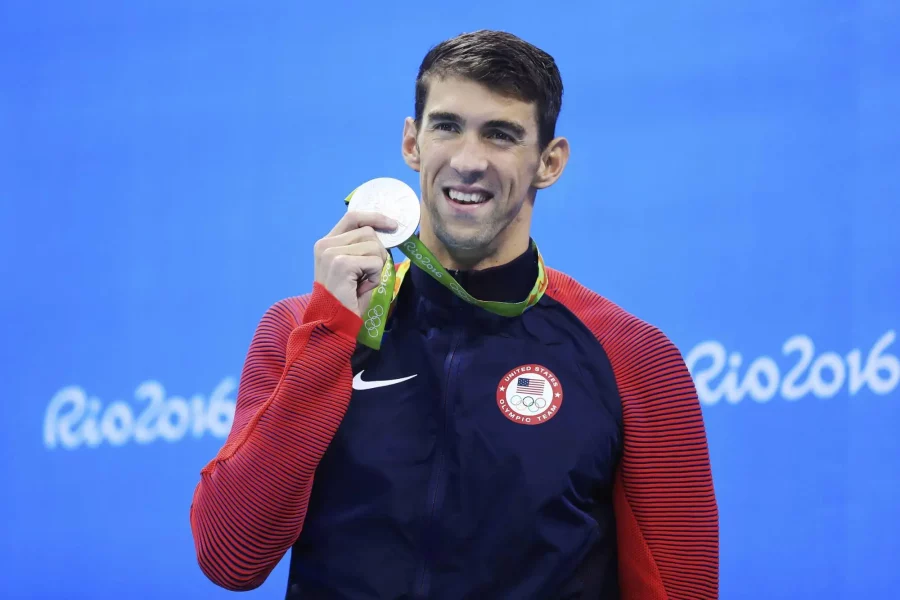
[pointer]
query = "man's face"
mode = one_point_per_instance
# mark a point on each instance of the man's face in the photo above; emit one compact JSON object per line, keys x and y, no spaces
{"x":478,"y":157}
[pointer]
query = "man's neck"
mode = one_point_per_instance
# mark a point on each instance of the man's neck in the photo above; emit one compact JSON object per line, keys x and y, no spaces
{"x":507,"y":281}
{"x":477,"y":259}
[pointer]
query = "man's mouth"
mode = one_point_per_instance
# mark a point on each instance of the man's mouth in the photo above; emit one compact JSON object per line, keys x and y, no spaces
{"x":467,"y":197}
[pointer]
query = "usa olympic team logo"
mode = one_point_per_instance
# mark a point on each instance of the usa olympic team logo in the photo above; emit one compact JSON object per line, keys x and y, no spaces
{"x":529,"y":395}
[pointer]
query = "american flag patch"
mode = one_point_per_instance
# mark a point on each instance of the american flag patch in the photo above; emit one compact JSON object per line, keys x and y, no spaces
{"x":529,"y":386}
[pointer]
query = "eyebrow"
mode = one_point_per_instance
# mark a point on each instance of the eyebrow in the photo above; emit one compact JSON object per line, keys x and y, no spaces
{"x":516,"y":129}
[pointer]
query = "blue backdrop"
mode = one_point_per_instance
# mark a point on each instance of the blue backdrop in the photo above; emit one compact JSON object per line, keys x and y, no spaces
{"x":165,"y":169}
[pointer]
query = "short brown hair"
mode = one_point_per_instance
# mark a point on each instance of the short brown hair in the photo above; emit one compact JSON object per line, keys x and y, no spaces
{"x":504,"y":63}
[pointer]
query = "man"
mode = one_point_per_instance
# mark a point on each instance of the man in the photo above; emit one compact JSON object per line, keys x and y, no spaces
{"x":559,"y":453}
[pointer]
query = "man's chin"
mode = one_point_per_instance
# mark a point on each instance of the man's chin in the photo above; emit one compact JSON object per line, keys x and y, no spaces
{"x":464,"y":242}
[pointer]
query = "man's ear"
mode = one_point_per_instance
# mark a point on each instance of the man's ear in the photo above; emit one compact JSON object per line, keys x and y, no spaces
{"x":410,"y":145}
{"x":553,"y":162}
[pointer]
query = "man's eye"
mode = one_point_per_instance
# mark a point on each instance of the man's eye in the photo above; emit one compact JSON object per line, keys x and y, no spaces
{"x":499,"y":135}
{"x":445,"y":127}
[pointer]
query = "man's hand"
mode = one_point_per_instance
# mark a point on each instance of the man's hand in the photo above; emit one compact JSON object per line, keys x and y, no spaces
{"x":350,"y":258}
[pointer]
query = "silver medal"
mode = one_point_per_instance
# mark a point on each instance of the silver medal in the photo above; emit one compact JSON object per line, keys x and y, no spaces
{"x":391,"y":198}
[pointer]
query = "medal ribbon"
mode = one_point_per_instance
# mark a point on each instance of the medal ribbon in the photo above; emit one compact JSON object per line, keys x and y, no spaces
{"x":392,"y":277}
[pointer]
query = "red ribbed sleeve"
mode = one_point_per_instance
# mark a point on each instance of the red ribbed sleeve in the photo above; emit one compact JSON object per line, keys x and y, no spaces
{"x":666,"y":513}
{"x":249,"y":505}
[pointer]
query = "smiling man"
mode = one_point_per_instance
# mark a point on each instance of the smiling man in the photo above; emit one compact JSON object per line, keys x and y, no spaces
{"x":557,"y":450}
{"x":481,"y":158}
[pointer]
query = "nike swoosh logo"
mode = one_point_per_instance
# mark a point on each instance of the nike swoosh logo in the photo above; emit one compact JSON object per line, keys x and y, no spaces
{"x":359,"y":384}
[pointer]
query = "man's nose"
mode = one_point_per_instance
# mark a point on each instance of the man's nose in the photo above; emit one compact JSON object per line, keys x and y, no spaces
{"x":470,"y":158}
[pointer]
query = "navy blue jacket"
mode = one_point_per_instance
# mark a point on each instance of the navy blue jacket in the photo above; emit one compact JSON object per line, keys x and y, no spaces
{"x":472,"y":456}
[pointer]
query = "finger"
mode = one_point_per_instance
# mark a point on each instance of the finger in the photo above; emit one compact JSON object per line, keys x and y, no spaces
{"x":365,"y":286}
{"x":370,"y":268}
{"x":358,"y":267}
{"x":365,"y":248}
{"x":355,"y":219}
{"x":354,"y":236}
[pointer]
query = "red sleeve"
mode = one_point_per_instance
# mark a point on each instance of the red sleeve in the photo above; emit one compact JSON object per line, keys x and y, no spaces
{"x":666,"y":514}
{"x":249,"y":505}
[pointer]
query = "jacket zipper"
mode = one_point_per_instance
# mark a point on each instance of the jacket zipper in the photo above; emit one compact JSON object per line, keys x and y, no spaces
{"x":424,"y":575}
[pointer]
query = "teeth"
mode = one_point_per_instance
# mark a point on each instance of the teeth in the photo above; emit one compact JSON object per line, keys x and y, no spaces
{"x":467,"y":198}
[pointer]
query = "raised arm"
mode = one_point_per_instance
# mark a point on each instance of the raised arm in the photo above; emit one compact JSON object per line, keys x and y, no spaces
{"x":250,"y":504}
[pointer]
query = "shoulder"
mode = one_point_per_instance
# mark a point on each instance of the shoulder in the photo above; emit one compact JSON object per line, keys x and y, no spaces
{"x":617,"y":330}
{"x":649,"y":369}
